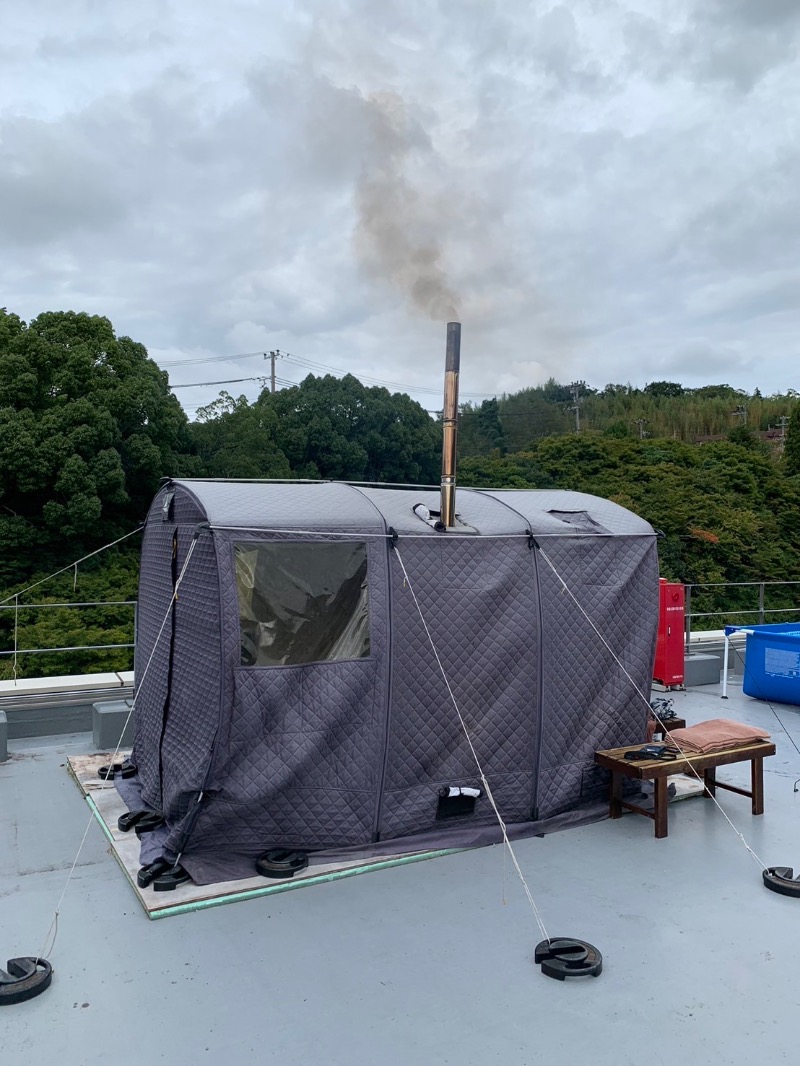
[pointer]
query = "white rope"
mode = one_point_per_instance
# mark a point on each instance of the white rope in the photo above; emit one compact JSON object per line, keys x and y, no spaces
{"x":370,"y":536}
{"x":109,"y":782}
{"x":46,"y":948}
{"x":64,"y":569}
{"x":453,"y":533}
{"x":682,"y":753}
{"x":484,"y":782}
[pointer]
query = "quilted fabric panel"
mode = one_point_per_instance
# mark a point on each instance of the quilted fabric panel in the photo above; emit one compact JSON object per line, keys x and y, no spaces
{"x":588,"y":702}
{"x":194,"y":708}
{"x":300,"y":749}
{"x":476,"y":509}
{"x":307,"y":818}
{"x":536,"y":505}
{"x":151,"y":654}
{"x":413,"y":810}
{"x":479,"y":601}
{"x":318,"y":505}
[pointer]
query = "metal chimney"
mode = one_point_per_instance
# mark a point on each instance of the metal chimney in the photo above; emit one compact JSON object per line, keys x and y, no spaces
{"x":450,"y":423}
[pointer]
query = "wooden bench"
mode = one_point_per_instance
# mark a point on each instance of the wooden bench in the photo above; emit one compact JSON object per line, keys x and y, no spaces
{"x":657,"y":771}
{"x":669,"y":725}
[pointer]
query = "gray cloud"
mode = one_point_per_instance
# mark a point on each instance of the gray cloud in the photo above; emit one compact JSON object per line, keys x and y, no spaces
{"x":735,"y":43}
{"x":98,"y":44}
{"x":596,"y":192}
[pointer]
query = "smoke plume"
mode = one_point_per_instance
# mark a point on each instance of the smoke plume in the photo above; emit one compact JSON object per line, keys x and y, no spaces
{"x":401,"y":214}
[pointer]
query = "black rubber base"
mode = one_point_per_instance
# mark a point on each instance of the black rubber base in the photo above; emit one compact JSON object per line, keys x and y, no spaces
{"x":148,"y":874}
{"x":281,"y":862}
{"x":562,"y":957}
{"x":26,"y":978}
{"x":781,"y":879}
{"x":163,"y":875}
{"x":142,"y":821}
{"x":170,"y":879}
{"x":149,"y":821}
{"x":117,"y":769}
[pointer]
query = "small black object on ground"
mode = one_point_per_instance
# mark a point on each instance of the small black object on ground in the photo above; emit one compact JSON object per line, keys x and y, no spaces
{"x":163,"y":875}
{"x":117,"y":769}
{"x":143,"y":821}
{"x":171,"y":879}
{"x":781,"y":879}
{"x":562,"y":957}
{"x":149,"y":821}
{"x":147,"y":874}
{"x":281,"y":862}
{"x":26,"y":977}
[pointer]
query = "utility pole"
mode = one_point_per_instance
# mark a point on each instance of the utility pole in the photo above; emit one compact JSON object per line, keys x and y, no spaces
{"x":641,"y":423}
{"x":741,"y":412}
{"x":575,"y":388}
{"x":272,"y":357}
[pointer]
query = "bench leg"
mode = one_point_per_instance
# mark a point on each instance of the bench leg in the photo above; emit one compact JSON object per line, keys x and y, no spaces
{"x":615,"y":808}
{"x":710,"y":782}
{"x":660,"y":794}
{"x":757,"y":784}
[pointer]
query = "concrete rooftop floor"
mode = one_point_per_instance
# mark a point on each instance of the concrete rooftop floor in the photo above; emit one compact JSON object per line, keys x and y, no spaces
{"x":426,"y":963}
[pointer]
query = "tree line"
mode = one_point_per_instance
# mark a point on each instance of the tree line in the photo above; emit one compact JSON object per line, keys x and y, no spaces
{"x":660,"y":409}
{"x":89,"y":427}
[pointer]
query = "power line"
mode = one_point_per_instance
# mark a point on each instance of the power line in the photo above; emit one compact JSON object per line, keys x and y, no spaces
{"x":314,"y":365}
{"x":210,"y":359}
{"x":309,"y":364}
{"x":228,"y":381}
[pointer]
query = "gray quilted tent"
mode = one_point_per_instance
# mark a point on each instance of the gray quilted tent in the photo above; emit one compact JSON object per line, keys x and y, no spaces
{"x":292,"y":696}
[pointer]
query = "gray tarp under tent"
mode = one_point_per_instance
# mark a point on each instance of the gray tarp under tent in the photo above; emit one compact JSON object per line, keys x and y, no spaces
{"x":294,"y":691}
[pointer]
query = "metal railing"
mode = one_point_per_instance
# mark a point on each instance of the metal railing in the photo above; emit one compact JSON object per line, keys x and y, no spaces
{"x":760,"y":611}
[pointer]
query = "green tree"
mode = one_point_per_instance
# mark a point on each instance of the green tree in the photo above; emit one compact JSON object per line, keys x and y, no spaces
{"x":664,"y":388}
{"x":236,"y":440}
{"x":87,"y":427}
{"x":337,"y":428}
{"x":480,"y":429}
{"x":792,"y":449}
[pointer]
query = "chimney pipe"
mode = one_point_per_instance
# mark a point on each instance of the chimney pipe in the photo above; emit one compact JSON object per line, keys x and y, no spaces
{"x":450,"y":423}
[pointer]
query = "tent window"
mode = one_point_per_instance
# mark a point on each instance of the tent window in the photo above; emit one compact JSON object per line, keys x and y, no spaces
{"x":302,"y":603}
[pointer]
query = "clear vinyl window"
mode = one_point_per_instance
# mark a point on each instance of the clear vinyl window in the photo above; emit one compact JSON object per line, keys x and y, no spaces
{"x":302,"y":603}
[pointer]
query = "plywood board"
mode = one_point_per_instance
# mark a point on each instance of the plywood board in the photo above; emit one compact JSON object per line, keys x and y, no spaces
{"x":107,"y":806}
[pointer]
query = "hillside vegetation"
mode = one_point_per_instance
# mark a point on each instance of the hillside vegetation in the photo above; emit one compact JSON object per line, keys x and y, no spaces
{"x":89,"y":426}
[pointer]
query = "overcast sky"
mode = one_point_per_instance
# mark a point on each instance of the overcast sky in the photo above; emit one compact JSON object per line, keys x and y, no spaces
{"x":599,"y":190}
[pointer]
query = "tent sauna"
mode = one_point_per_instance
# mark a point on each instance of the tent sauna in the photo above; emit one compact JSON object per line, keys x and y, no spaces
{"x":301,"y":691}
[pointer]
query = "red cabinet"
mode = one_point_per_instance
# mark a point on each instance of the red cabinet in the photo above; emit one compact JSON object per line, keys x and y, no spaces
{"x":668,"y":669}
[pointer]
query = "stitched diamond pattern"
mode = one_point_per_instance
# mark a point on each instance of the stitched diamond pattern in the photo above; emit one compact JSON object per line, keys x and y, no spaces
{"x":486,"y":635}
{"x":313,"y":756}
{"x":589,"y":704}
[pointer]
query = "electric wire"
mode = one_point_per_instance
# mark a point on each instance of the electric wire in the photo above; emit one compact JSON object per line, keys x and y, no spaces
{"x":477,"y":761}
{"x":210,"y":359}
{"x":308,"y":364}
{"x":227,"y":381}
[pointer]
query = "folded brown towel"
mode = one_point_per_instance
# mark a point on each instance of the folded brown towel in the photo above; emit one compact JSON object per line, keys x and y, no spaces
{"x":715,"y":735}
